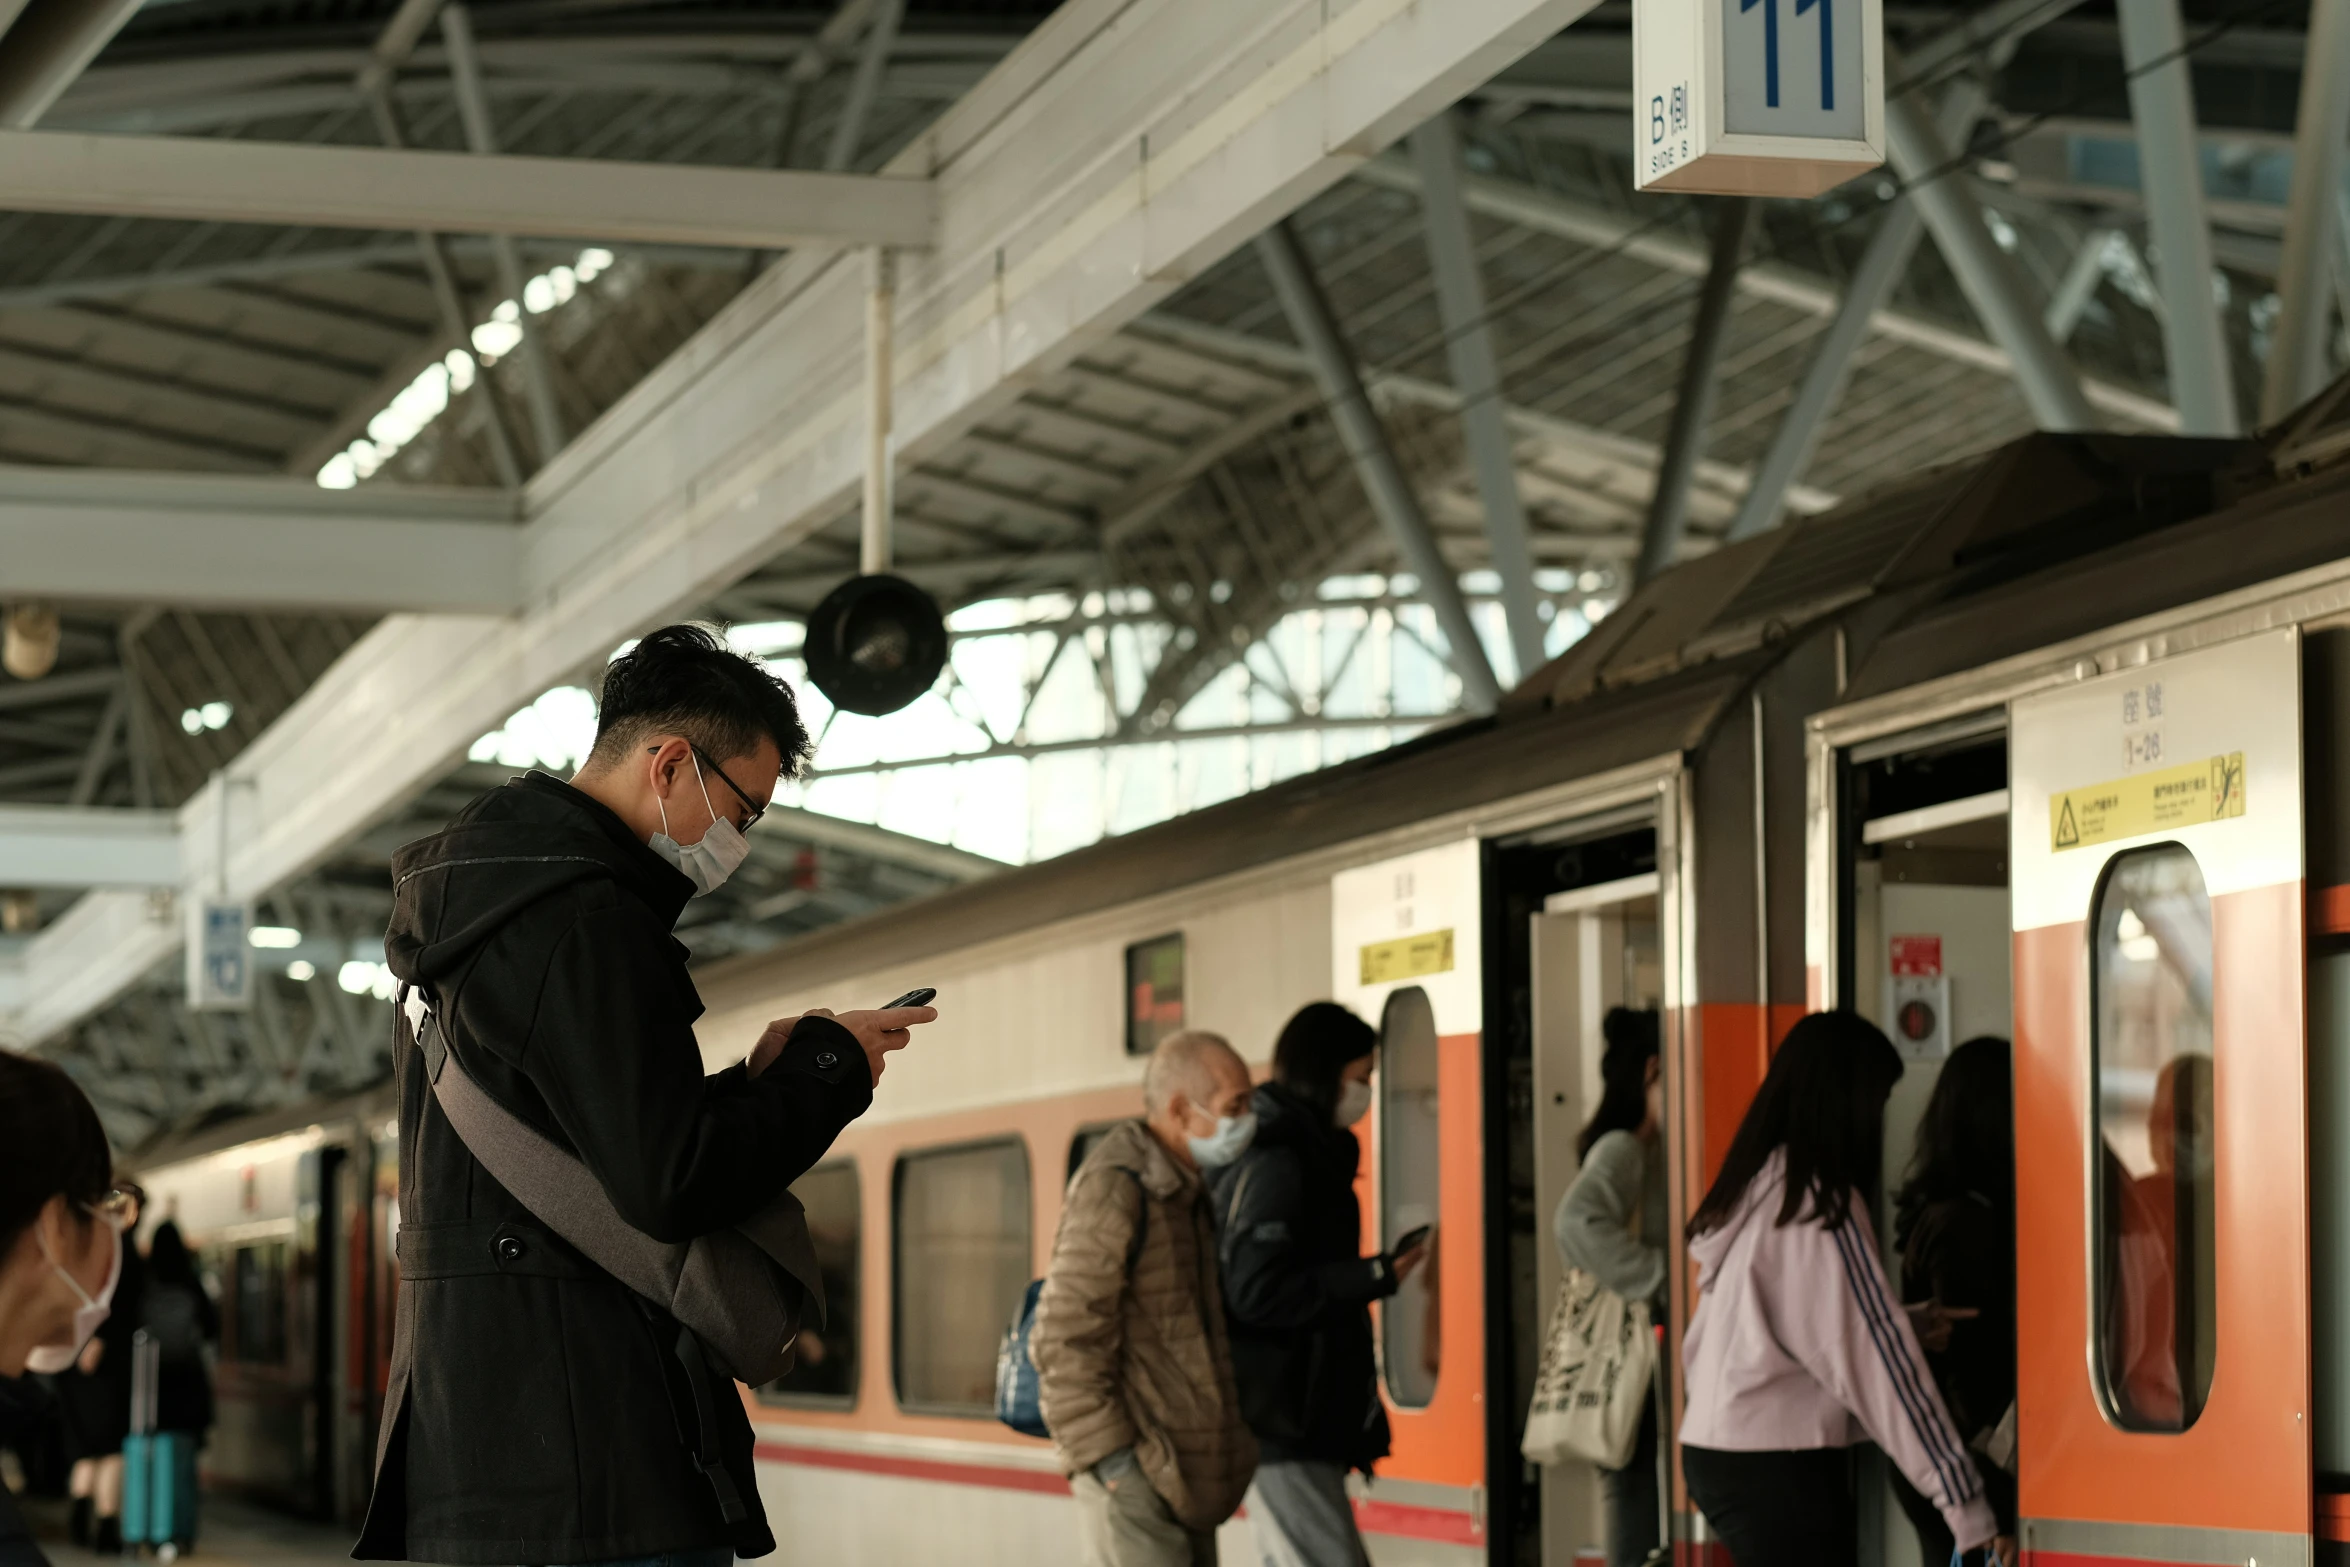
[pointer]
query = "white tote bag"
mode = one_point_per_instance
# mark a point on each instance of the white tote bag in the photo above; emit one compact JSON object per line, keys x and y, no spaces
{"x":1597,"y":1362}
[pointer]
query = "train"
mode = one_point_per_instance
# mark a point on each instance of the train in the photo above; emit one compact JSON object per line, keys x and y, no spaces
{"x":2040,"y":744}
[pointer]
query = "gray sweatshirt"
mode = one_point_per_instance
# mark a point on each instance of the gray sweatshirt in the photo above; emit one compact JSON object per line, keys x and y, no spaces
{"x":1622,"y":1175}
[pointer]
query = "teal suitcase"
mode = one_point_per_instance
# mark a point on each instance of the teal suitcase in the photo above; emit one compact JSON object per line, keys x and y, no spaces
{"x":158,"y":1467}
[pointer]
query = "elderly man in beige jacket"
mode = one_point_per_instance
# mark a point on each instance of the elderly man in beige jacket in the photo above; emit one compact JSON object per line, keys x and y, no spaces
{"x":1133,"y":1367}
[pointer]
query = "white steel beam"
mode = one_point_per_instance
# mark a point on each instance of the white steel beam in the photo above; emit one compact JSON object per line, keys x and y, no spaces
{"x":1693,"y":410}
{"x":1936,"y":182}
{"x":88,"y":846}
{"x":211,"y":179}
{"x":1476,"y":373}
{"x":255,"y":543}
{"x":473,"y":107}
{"x":1637,"y":239}
{"x":1122,"y":149}
{"x":2297,"y":349}
{"x":1376,"y":468}
{"x":50,"y":46}
{"x":1824,"y":378}
{"x":2162,"y":103}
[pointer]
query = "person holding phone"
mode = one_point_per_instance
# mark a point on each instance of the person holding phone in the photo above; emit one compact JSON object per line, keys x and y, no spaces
{"x":1297,"y":1290}
{"x":539,"y":927}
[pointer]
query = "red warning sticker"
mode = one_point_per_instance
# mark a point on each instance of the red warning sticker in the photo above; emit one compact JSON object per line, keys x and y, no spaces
{"x":1917,"y":957}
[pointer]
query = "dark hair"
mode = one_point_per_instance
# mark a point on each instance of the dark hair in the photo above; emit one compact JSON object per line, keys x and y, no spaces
{"x":50,"y":1144}
{"x":1823,"y":1101}
{"x":1966,"y":1138}
{"x":685,"y":680}
{"x":168,"y":1259}
{"x":1315,"y":1046}
{"x":1623,"y":1075}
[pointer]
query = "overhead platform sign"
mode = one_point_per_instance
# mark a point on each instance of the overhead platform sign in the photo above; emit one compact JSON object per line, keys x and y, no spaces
{"x":1757,"y":97}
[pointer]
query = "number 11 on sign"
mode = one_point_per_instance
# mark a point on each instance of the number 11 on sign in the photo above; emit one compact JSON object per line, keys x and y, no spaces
{"x":1770,"y":10}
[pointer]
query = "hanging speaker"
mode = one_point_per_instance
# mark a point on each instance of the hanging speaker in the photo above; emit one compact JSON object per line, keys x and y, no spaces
{"x":875,"y":644}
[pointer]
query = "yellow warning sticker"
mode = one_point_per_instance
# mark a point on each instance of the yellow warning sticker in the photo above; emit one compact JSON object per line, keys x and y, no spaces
{"x":1408,"y":957}
{"x":2149,"y":802}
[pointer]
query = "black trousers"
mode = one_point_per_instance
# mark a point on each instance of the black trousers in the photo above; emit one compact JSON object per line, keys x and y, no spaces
{"x":1778,"y":1509}
{"x":1631,"y":1499}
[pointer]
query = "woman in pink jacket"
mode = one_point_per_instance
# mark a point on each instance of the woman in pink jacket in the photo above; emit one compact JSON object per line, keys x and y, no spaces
{"x":1798,"y":1349}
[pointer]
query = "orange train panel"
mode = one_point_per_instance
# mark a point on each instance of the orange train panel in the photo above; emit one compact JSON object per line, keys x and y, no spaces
{"x":1444,"y":1443}
{"x":1735,"y":1040}
{"x":2245,"y":1464}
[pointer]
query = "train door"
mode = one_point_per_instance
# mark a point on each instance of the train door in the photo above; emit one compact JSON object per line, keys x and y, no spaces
{"x":1457,"y":955}
{"x":317,"y":1358}
{"x":2162,"y":1112}
{"x":1924,"y":878}
{"x":1594,"y":948}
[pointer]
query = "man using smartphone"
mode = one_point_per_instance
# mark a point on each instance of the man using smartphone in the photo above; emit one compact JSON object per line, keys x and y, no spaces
{"x":539,"y":1410}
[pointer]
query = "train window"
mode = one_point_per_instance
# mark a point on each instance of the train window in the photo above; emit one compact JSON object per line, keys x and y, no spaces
{"x":1154,"y":992}
{"x":1408,"y":1189}
{"x":257,"y":1292}
{"x":961,"y":1259}
{"x":2153,"y":1076}
{"x":824,"y":1365}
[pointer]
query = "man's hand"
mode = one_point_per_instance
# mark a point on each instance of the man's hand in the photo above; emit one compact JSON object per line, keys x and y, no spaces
{"x":878,"y":1033}
{"x":1407,"y":1263}
{"x":1933,"y":1321}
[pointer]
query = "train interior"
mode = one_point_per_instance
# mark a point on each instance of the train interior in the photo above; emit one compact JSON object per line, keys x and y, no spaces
{"x":1574,"y":930}
{"x":1925,"y":875}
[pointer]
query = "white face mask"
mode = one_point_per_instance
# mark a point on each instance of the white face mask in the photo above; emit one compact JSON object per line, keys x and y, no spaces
{"x":715,"y":858}
{"x":87,"y":1318}
{"x":1354,"y":1101}
{"x":1227,"y":1142}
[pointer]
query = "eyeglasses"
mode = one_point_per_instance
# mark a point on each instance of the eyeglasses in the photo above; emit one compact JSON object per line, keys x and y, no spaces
{"x":707,"y":760}
{"x":118,"y":1208}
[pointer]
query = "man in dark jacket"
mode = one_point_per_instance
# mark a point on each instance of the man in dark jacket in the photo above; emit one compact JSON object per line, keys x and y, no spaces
{"x":1297,"y":1291}
{"x":539,"y":1410}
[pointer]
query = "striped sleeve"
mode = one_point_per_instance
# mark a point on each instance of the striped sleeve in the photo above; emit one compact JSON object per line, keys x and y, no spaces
{"x":1857,"y":1342}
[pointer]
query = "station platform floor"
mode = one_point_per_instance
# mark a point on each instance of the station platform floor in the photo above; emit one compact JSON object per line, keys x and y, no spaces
{"x":231,"y":1533}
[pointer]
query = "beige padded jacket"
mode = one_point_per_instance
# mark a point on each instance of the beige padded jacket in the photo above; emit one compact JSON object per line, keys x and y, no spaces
{"x":1142,"y":1363}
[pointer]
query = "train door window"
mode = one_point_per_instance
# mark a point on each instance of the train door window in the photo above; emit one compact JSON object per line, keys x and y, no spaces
{"x":1086,"y":1140}
{"x":960,"y":1262}
{"x":1154,"y":992}
{"x":257,"y":1291}
{"x":1408,"y":1188}
{"x":824,"y":1359}
{"x":2151,"y":1049}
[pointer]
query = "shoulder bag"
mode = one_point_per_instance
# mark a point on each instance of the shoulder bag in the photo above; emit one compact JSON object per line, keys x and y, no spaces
{"x":1597,"y":1362}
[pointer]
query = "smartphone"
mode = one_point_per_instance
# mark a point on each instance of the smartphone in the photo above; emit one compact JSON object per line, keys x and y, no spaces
{"x":912,"y":998}
{"x":1408,"y":1239}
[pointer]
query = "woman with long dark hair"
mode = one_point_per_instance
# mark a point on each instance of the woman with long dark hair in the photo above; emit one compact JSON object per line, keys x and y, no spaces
{"x":61,"y":1251}
{"x":180,"y":1317}
{"x":1797,"y":1347}
{"x":1611,"y":1223}
{"x":1954,"y":1226}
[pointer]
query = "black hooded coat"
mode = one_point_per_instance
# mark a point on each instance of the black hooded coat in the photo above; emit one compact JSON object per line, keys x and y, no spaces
{"x":538,"y":1410}
{"x":1297,"y":1289}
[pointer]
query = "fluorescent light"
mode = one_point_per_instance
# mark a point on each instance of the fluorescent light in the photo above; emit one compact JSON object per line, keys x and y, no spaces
{"x":356,"y":976}
{"x":274,"y":936}
{"x":301,"y":969}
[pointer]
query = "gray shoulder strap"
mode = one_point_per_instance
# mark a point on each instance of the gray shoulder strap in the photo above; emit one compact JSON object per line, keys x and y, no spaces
{"x":562,"y":1192}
